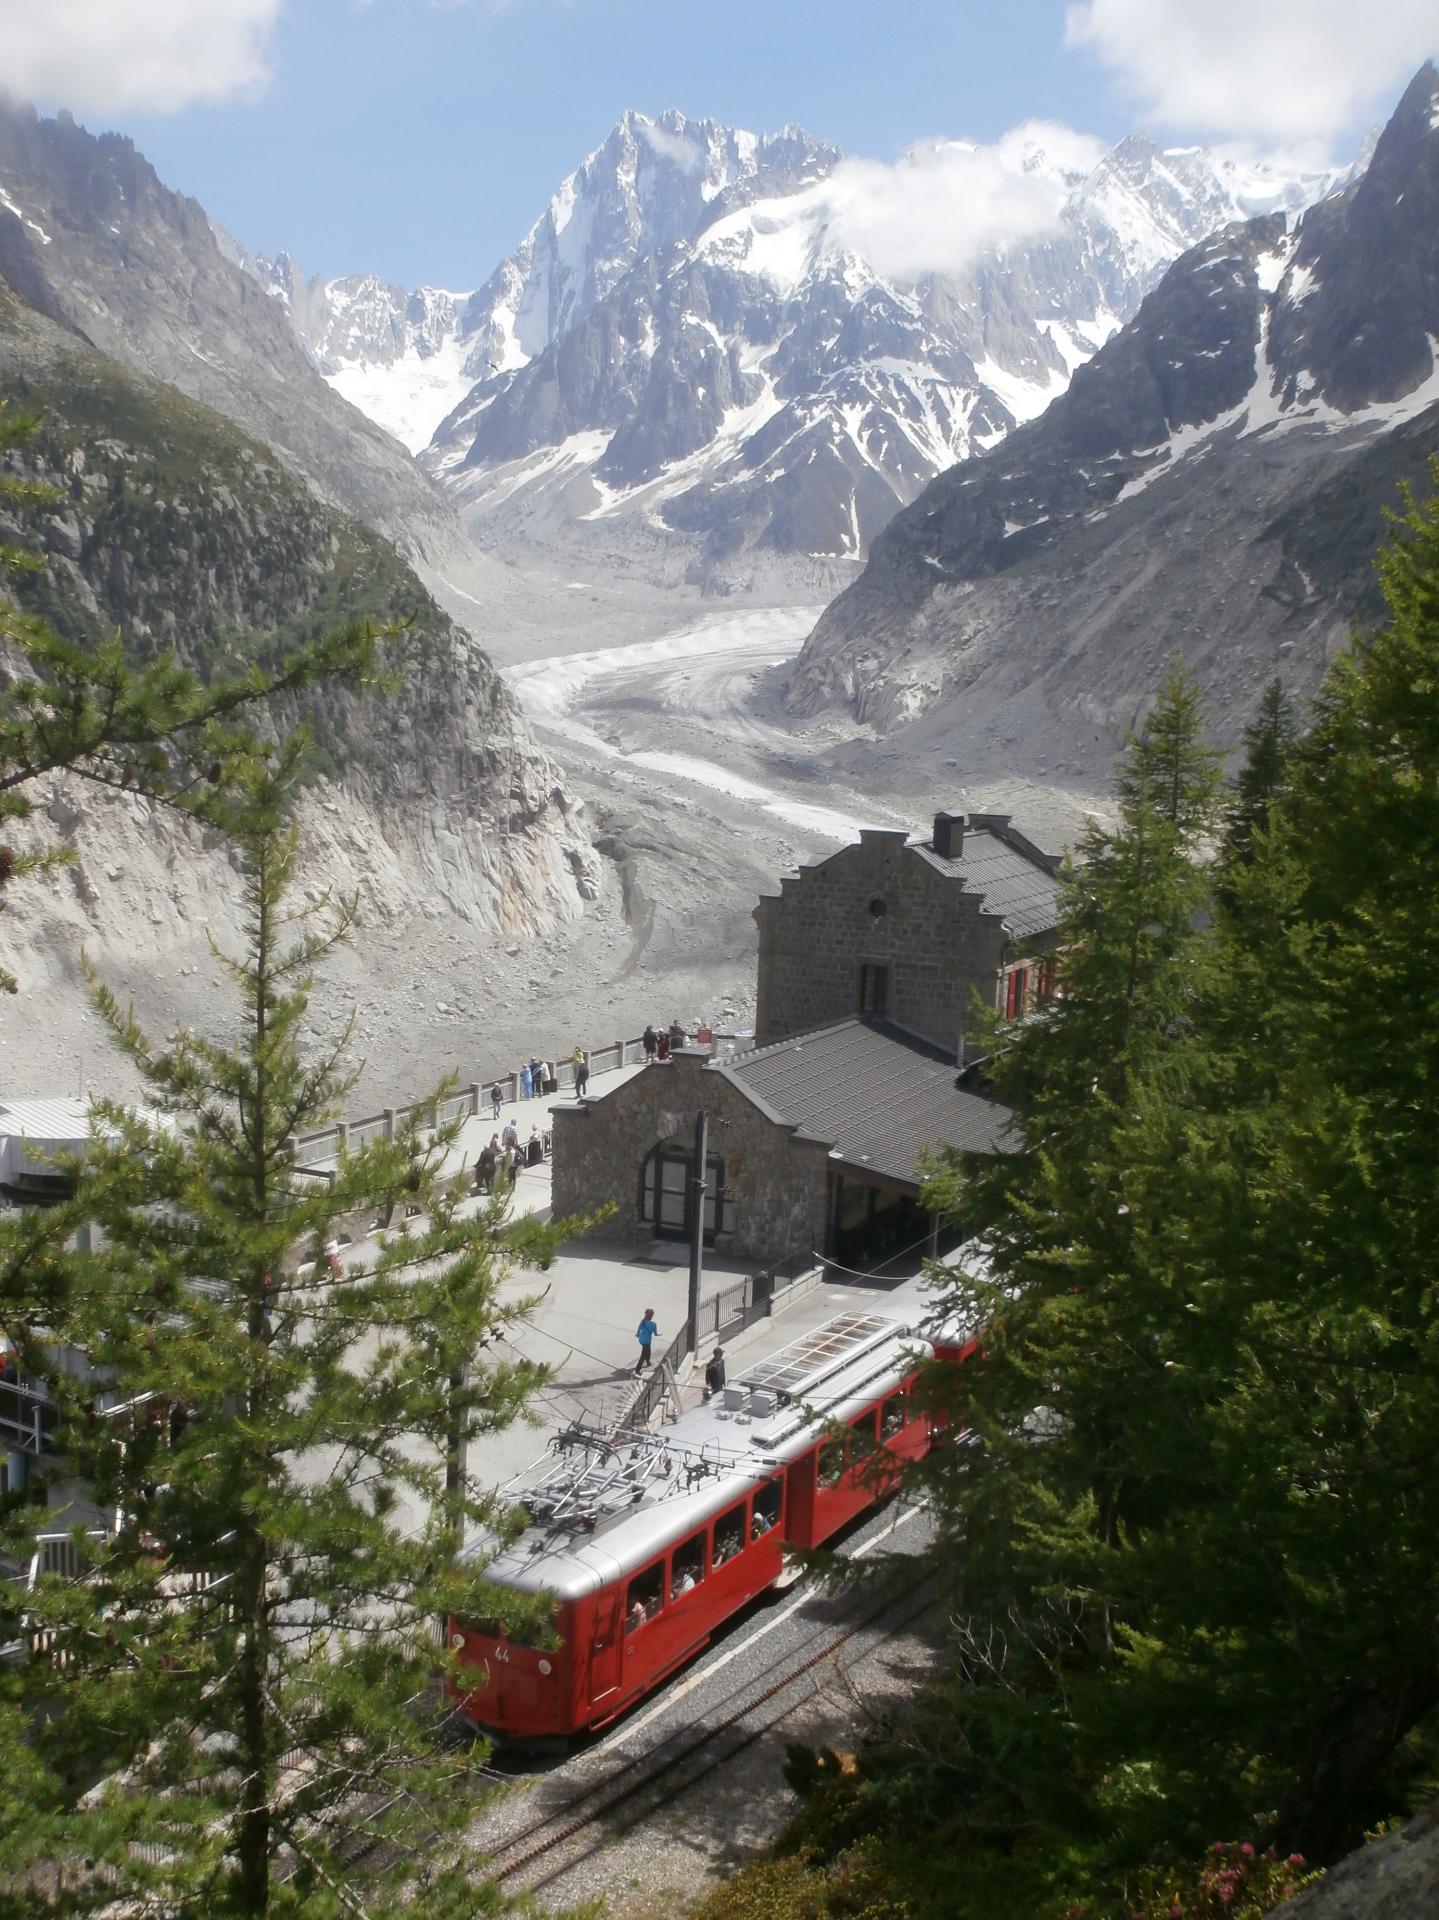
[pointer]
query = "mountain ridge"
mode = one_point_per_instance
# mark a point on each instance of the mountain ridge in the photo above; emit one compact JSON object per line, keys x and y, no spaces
{"x":1213,"y":481}
{"x":91,"y":236}
{"x":686,"y":363}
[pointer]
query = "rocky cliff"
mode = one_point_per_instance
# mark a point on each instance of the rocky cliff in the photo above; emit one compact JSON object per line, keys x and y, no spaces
{"x":90,"y":236}
{"x":1213,"y":481}
{"x":192,"y":539}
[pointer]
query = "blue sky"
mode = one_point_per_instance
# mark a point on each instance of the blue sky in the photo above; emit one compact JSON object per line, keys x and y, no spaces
{"x":420,"y":143}
{"x":419,"y":138}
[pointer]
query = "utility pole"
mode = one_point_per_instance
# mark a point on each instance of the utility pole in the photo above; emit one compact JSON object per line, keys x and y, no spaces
{"x":698,"y":1185}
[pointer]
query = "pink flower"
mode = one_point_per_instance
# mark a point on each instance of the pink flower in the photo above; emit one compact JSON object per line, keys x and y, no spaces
{"x":1296,"y":1860}
{"x":1247,"y":1849}
{"x":1216,"y":1846}
{"x":1226,"y":1894}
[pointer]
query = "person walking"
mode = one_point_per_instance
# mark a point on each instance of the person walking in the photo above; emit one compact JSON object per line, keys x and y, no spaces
{"x":510,"y":1138}
{"x":537,"y":1076}
{"x":714,"y":1374}
{"x":645,"y":1333}
{"x":497,"y":1100}
{"x":582,"y":1071}
{"x":651,"y":1044}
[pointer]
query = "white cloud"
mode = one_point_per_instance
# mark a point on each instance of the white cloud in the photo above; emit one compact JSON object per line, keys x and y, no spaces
{"x":673,"y":147}
{"x":116,"y":56}
{"x":1285,"y":70}
{"x":947,"y":201}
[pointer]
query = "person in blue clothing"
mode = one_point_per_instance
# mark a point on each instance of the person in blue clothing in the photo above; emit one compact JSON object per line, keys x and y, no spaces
{"x":526,"y":1083}
{"x":645,"y":1333}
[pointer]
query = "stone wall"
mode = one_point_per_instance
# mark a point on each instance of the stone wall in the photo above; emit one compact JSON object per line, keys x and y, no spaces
{"x":777,"y":1184}
{"x":939,"y":945}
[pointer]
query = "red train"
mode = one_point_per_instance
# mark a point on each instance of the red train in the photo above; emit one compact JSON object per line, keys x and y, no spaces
{"x":648,"y":1543}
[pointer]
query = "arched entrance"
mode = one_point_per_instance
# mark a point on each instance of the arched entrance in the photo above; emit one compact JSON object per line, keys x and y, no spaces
{"x":665,"y":1197}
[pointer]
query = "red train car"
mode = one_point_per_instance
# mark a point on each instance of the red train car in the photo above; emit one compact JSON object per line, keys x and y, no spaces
{"x":646,"y":1544}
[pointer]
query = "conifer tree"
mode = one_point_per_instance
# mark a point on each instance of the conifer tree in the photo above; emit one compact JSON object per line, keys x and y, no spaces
{"x":1065,"y":1301}
{"x":1193,"y":1534}
{"x":235,"y":1709}
{"x":1262,"y":778}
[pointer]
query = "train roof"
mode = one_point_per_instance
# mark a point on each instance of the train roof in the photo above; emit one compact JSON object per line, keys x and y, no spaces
{"x":604,"y":1505}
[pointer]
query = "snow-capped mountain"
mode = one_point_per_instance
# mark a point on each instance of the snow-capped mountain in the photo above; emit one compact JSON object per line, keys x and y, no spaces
{"x":409,"y":358}
{"x":1213,"y":481}
{"x":704,"y":351}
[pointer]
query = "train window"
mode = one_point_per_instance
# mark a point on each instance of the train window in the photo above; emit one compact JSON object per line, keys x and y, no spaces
{"x":766,"y":1509}
{"x":729,"y":1535}
{"x":891,"y":1416}
{"x":864,"y":1426}
{"x":831,"y":1462}
{"x":645,"y":1597}
{"x":689,"y":1566}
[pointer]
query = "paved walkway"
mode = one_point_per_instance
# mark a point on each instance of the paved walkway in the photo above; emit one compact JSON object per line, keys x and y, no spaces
{"x":589,"y":1302}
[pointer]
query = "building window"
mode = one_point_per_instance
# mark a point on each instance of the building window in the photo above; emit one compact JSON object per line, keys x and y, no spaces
{"x":877,"y":908}
{"x":1016,"y":992}
{"x":1044,"y":982}
{"x":666,"y":1195}
{"x":873,"y":988}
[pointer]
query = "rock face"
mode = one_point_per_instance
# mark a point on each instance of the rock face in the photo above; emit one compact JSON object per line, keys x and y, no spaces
{"x":1213,"y":481}
{"x":1393,"y":1878}
{"x":89,"y":235}
{"x":692,"y":365}
{"x":196,"y":541}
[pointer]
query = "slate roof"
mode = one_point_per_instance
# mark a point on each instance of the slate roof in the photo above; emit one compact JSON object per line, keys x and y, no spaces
{"x":877,"y":1094}
{"x":1021,"y":888}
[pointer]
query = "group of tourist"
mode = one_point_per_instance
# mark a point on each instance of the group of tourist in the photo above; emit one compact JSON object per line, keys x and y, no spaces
{"x":505,"y":1155}
{"x":538,"y":1077}
{"x":659,"y":1045}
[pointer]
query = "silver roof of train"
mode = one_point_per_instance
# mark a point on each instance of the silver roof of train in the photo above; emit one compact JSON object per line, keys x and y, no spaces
{"x":599,"y":1516}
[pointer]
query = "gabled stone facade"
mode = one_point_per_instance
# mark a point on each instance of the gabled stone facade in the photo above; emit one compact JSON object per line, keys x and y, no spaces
{"x":911,"y":931}
{"x":775,"y":1178}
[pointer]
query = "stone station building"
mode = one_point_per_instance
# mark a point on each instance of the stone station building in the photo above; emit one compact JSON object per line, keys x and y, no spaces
{"x":814,"y":1144}
{"x":911,"y":931}
{"x":869,"y":962}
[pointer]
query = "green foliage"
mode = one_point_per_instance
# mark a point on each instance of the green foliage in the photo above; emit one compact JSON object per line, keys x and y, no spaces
{"x":232,"y":1704}
{"x":1263,"y":778}
{"x":853,"y":1887}
{"x":1236,"y":1882}
{"x":1191,"y":1536}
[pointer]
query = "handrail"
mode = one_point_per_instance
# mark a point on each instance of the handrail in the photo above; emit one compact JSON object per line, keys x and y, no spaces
{"x":324,"y":1143}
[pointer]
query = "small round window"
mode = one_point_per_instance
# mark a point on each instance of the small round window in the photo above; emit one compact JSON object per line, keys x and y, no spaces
{"x":878,"y":908}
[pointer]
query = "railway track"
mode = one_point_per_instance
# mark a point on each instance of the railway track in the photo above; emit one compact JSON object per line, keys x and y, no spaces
{"x":682,"y":1760}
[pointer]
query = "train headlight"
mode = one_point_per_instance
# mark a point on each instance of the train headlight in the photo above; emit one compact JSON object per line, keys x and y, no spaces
{"x":457,"y":1640}
{"x":545,"y":1667}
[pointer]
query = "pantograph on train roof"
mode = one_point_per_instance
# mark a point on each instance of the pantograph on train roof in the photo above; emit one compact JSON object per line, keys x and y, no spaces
{"x":600,"y":1473}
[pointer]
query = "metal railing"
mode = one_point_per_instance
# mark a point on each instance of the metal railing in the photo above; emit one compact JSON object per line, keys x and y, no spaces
{"x":325,"y":1143}
{"x":27,"y":1416}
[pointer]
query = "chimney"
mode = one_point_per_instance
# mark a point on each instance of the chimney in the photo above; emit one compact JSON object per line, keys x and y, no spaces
{"x":949,"y":836}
